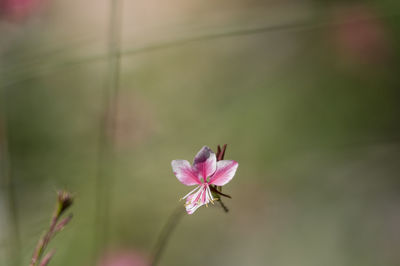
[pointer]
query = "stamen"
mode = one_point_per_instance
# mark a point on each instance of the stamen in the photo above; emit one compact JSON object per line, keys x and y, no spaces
{"x":191,"y":192}
{"x":204,"y":195}
{"x":198,"y":197}
{"x":195,"y":196}
{"x":210,"y":194}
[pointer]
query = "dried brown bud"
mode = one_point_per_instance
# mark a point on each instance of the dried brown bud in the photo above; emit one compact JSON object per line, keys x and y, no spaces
{"x":221,"y":152}
{"x":64,"y":201}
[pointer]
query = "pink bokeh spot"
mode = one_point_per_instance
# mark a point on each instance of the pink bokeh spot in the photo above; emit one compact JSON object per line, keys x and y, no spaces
{"x":19,"y":9}
{"x":204,"y":172}
{"x":123,"y":258}
{"x":360,"y":35}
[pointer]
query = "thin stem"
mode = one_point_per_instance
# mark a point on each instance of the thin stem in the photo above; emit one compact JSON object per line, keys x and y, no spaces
{"x":165,"y":234}
{"x":294,"y":26}
{"x":47,"y":258}
{"x":218,"y":189}
{"x":42,"y":244}
{"x":221,"y":152}
{"x":63,"y":203}
{"x":223,"y":206}
{"x":8,"y":186}
{"x":108,"y":127}
{"x":219,"y":192}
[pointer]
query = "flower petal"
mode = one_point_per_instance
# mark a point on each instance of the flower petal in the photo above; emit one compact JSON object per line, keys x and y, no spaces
{"x":205,"y":162}
{"x":226,"y":169}
{"x":191,"y":205}
{"x":196,"y":200}
{"x":185,"y":172}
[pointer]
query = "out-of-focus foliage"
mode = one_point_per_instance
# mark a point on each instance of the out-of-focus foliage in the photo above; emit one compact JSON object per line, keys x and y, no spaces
{"x":304,"y":93}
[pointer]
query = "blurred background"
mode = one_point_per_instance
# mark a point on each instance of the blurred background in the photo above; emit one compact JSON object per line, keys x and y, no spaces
{"x":98,"y":96}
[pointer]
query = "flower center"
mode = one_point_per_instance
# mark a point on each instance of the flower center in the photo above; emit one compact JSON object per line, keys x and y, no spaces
{"x":200,"y":195}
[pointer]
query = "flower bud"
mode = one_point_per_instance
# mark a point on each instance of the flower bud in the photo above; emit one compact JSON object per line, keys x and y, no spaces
{"x":64,"y":201}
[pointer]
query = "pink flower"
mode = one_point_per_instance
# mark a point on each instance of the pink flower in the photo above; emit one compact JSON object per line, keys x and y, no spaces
{"x":206,"y":171}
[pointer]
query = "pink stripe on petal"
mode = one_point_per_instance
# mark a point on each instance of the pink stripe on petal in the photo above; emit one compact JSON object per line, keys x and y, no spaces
{"x":204,"y":199}
{"x":198,"y":196}
{"x":191,"y":206}
{"x":226,"y":169}
{"x":185,"y":172}
{"x":205,"y":162}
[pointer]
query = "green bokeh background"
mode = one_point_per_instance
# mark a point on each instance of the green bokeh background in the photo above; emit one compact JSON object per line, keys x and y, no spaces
{"x":315,"y":130}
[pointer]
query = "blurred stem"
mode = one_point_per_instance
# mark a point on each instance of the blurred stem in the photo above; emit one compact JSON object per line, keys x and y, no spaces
{"x":7,"y":186}
{"x":294,"y":26}
{"x":214,"y":189}
{"x":108,"y":128}
{"x":165,"y":234}
{"x":44,"y":241}
{"x":223,"y":206}
{"x":217,"y":189}
{"x":63,"y":203}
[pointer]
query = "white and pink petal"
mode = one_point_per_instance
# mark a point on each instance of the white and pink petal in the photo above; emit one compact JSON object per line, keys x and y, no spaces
{"x":199,"y":198}
{"x":190,"y":206}
{"x":193,"y":202}
{"x":205,"y":163}
{"x":226,"y":170}
{"x":185,"y":173}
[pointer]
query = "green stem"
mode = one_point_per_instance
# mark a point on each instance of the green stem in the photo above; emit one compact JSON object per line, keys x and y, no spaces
{"x":108,"y":128}
{"x":165,"y":234}
{"x":44,"y":241}
{"x":7,"y":185}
